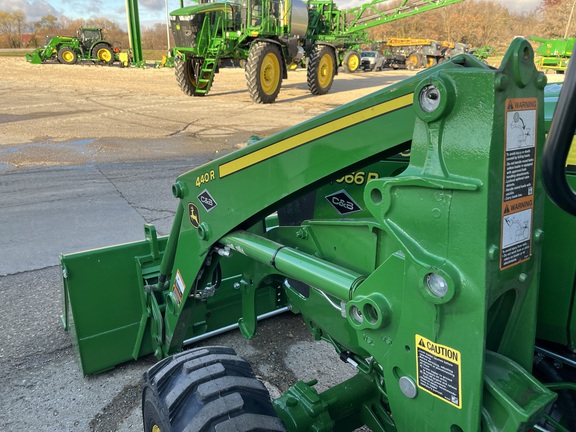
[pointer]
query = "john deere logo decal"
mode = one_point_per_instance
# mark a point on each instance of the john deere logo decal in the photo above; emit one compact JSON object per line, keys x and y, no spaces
{"x":194,"y":215}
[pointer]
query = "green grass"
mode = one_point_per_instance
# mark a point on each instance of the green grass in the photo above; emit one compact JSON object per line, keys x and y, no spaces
{"x":15,"y":53}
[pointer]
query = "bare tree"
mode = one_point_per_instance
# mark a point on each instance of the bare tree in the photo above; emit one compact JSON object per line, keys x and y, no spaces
{"x":555,"y":19}
{"x":12,"y":25}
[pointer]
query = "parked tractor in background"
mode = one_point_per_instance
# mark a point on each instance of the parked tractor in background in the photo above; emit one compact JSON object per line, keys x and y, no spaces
{"x":272,"y":35}
{"x":419,"y":230}
{"x":89,"y":44}
{"x":483,"y":53}
{"x":553,"y":54}
{"x":410,"y":53}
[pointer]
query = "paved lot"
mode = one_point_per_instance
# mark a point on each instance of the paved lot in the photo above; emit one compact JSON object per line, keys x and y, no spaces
{"x":87,"y":155}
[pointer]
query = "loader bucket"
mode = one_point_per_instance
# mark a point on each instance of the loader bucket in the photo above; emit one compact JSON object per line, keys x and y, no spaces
{"x":104,"y":304}
{"x":34,"y":58}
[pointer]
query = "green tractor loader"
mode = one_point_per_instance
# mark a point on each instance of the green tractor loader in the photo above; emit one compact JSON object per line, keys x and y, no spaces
{"x":274,"y":36}
{"x":89,"y":44}
{"x":416,"y":230}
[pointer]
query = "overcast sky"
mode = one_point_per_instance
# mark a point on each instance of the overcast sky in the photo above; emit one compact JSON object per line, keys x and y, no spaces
{"x":152,"y":11}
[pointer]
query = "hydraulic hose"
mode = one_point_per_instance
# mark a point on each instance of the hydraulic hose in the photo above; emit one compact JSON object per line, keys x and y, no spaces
{"x":558,"y":145}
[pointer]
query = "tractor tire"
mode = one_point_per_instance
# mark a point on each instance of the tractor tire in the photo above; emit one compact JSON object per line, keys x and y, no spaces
{"x":321,"y":70}
{"x":431,"y":61}
{"x":67,"y":55}
{"x":206,"y":390}
{"x":351,"y":61}
{"x":185,"y":72}
{"x":413,"y":60}
{"x":264,"y":72}
{"x":103,"y":53}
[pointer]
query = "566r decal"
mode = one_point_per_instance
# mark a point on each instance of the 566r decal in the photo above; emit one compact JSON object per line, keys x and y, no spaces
{"x":358,"y":178}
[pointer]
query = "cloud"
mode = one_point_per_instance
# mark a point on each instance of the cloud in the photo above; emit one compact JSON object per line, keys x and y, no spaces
{"x":33,"y":9}
{"x":520,"y":6}
{"x":151,"y":5}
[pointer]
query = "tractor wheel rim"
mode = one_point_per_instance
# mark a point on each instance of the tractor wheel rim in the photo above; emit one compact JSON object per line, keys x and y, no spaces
{"x":353,"y":63}
{"x":270,"y":74}
{"x":325,"y":70}
{"x":68,"y":56}
{"x":104,"y":55}
{"x":156,"y":428}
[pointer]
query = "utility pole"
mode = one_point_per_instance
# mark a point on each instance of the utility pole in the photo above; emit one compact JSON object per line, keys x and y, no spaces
{"x":168,"y":24}
{"x":569,"y":19}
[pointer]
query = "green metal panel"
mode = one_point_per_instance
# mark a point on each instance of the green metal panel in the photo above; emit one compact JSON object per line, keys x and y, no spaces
{"x":556,"y":321}
{"x":103,"y":306}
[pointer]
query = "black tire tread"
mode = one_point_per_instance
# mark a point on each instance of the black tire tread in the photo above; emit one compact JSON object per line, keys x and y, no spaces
{"x":181,"y":76}
{"x":312,"y":72}
{"x":208,"y":389}
{"x":252,"y":72}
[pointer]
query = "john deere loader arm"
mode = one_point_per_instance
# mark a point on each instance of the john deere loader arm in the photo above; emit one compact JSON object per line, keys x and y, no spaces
{"x":423,"y":274}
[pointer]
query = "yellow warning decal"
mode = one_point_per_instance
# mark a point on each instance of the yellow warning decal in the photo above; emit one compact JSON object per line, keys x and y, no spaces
{"x":314,"y":134}
{"x":518,"y":174}
{"x":438,"y":369}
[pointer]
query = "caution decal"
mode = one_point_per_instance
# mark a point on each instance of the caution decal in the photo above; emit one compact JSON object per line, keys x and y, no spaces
{"x":438,"y":370}
{"x":518,"y":184}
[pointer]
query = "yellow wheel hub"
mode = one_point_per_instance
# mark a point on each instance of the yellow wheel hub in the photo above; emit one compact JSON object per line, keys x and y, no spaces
{"x":325,"y":70}
{"x":68,"y":56}
{"x":353,"y":63}
{"x":270,"y":74}
{"x":104,"y":55}
{"x":155,"y":428}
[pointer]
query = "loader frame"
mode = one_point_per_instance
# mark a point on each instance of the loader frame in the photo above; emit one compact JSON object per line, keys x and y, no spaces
{"x":423,"y":271}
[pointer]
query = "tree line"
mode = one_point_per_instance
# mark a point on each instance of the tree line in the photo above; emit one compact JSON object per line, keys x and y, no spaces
{"x":484,"y":22}
{"x":473,"y":22}
{"x":17,"y":32}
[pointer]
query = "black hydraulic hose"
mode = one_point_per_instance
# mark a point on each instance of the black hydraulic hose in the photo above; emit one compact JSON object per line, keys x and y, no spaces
{"x":558,"y":145}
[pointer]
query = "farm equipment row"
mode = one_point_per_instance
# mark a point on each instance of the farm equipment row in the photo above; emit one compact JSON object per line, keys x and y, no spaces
{"x":273,"y":36}
{"x":409,"y":53}
{"x":88,"y":45}
{"x":445,"y":276}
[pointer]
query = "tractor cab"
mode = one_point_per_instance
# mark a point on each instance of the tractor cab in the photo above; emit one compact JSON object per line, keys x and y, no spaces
{"x":88,"y":36}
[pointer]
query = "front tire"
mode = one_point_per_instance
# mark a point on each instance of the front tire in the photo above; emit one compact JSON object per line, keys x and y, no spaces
{"x":67,"y":55}
{"x":321,"y":70}
{"x":186,"y":72}
{"x":351,"y":61}
{"x":204,"y":390}
{"x":264,"y":72}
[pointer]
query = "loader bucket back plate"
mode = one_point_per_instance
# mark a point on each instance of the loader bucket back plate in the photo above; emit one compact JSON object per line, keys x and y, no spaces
{"x":103,"y":305}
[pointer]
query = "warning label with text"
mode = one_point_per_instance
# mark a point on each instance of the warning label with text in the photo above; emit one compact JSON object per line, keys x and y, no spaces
{"x":438,"y":370}
{"x":518,"y":184}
